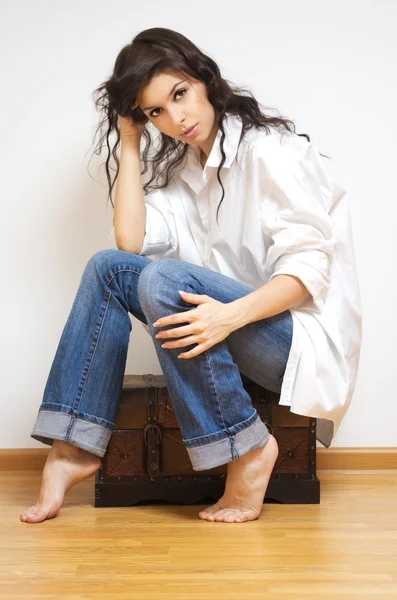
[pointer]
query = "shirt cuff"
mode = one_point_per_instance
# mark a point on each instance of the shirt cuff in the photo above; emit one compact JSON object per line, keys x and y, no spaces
{"x":157,"y":235}
{"x":316,"y":281}
{"x":157,"y":238}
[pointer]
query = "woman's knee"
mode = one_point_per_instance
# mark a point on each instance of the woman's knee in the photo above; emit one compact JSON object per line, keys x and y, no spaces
{"x":104,"y":255}
{"x":151,"y":284}
{"x":153,"y":272}
{"x":112,"y":259}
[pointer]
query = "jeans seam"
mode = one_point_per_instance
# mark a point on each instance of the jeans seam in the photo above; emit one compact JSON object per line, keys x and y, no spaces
{"x":207,"y":356}
{"x":85,"y":376}
{"x":235,"y":454}
{"x":200,"y":437}
{"x":177,"y":281}
{"x":137,"y":272}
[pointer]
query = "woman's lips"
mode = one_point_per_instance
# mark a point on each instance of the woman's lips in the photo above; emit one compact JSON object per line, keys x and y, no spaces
{"x":191,"y":132}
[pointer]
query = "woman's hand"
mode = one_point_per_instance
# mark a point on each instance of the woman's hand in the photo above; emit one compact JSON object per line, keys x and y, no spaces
{"x":209,"y":323}
{"x":129,"y":128}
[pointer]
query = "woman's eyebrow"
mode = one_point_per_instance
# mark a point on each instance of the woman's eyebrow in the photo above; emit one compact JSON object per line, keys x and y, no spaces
{"x":149,"y":107}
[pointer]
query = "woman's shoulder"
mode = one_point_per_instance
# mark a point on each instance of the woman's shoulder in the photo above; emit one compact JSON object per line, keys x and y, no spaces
{"x":277,"y":153}
{"x":275,"y":144}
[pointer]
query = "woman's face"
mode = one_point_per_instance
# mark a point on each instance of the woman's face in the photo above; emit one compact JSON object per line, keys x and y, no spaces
{"x":174,"y":104}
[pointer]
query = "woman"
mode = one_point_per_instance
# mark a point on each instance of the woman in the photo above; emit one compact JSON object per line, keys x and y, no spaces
{"x":262,"y":282}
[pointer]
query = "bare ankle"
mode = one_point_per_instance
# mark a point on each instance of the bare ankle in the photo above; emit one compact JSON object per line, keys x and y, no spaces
{"x":68,"y":450}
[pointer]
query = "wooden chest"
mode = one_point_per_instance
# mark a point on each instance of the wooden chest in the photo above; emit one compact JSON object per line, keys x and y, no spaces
{"x":147,"y":461}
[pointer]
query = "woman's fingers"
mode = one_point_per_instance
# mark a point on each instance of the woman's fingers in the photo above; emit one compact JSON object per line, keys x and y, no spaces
{"x":181,"y":343}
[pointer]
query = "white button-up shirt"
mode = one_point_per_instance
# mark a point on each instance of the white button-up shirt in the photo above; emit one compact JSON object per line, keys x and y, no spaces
{"x":283,"y":212}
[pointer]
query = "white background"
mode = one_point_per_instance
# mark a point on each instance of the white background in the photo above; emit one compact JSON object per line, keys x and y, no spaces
{"x":328,"y":66}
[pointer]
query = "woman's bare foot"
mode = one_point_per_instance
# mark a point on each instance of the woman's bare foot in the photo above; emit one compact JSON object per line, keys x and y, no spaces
{"x":246,"y":485}
{"x":66,"y":465}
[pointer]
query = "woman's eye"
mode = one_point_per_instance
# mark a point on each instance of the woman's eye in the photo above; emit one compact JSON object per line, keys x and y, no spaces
{"x":177,"y":92}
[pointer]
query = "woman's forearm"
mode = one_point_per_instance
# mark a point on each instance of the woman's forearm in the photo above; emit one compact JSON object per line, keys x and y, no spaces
{"x":270,"y":299}
{"x":129,"y":206}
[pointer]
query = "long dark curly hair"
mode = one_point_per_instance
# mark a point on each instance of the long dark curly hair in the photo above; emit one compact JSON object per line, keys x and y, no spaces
{"x":152,"y":52}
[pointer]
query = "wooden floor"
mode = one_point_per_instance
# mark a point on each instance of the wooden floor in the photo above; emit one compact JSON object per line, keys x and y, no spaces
{"x":344,"y":548}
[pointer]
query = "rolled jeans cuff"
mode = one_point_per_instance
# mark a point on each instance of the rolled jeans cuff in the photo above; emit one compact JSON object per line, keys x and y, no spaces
{"x":53,"y":425}
{"x":234,"y":444}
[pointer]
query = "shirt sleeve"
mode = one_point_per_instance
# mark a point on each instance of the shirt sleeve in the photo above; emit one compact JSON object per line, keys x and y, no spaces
{"x":160,"y":230}
{"x":297,"y":228}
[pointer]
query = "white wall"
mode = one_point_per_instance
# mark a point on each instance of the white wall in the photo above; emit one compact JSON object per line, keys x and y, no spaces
{"x":326,"y":65}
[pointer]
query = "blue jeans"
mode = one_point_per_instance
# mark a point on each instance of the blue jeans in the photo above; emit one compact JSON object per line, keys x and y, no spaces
{"x":215,"y":414}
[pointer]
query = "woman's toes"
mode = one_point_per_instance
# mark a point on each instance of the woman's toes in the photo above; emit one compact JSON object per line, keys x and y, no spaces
{"x":204,"y":514}
{"x":218,"y":516}
{"x":34,"y":517}
{"x":213,"y":512}
{"x":29,"y":512}
{"x":229,"y":517}
{"x":36,"y":514}
{"x":243,"y":517}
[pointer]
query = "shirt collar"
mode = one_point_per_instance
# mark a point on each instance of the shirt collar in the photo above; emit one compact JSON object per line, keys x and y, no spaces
{"x":232,"y":125}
